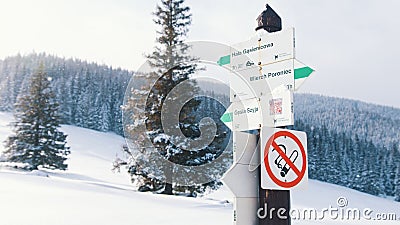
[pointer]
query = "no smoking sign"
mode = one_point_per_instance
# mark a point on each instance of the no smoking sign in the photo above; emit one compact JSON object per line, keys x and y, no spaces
{"x":284,"y":159}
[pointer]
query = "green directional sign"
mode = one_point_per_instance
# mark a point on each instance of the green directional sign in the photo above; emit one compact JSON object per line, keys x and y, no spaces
{"x":224,"y":60}
{"x":271,"y":110}
{"x":227,"y":117}
{"x":303,"y":72}
{"x":299,"y":73}
{"x":243,"y":115}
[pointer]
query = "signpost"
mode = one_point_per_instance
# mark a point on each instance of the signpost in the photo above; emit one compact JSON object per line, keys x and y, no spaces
{"x":262,"y":100}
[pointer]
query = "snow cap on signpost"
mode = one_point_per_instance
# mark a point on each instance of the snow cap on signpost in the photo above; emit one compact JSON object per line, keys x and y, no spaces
{"x":269,"y":20}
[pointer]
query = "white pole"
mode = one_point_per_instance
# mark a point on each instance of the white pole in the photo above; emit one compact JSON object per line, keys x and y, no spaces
{"x":242,"y":182}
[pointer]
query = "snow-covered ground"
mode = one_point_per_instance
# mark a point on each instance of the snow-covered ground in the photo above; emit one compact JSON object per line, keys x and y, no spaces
{"x":90,"y":193}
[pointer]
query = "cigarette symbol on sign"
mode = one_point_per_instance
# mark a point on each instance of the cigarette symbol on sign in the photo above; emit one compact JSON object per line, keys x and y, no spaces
{"x":281,"y":163}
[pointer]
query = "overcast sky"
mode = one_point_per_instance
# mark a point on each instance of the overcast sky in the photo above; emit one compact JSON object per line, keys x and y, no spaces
{"x":353,"y":45}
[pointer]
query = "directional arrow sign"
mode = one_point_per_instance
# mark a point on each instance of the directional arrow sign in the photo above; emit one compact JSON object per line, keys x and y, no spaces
{"x":244,"y":115}
{"x":301,"y":73}
{"x":259,"y":81}
{"x":260,"y":50}
{"x":273,"y":110}
{"x":262,"y":80}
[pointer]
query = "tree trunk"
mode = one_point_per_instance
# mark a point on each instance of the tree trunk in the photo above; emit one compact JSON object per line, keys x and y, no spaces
{"x":168,"y":189}
{"x":168,"y":172}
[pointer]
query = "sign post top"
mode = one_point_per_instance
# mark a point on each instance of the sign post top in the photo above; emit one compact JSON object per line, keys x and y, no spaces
{"x":269,"y":20}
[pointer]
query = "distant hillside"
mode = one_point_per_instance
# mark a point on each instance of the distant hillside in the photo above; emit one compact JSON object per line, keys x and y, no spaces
{"x":90,"y":95}
{"x":376,"y":123}
{"x":380,"y":124}
{"x":351,"y":143}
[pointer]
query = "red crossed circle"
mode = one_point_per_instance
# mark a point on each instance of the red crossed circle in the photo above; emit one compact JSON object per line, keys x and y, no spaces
{"x":299,"y":173}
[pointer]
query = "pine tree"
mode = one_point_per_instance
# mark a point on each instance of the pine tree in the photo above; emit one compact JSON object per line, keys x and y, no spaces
{"x":37,"y":142}
{"x":170,"y":66}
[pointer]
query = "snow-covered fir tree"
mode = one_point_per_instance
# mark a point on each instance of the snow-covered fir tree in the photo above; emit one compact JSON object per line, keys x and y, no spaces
{"x":37,"y":141}
{"x":170,"y":66}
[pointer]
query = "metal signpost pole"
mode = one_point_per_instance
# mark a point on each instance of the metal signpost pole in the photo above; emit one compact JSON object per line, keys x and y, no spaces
{"x":276,"y":203}
{"x":262,"y":195}
{"x":242,"y":182}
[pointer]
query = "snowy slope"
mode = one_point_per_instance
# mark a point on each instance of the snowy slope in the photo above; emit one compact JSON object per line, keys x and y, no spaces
{"x":89,"y":193}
